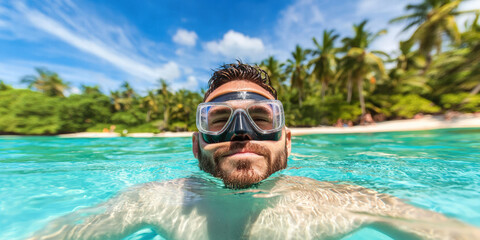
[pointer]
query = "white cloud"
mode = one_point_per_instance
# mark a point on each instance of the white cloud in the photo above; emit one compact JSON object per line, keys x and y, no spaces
{"x":13,"y":71}
{"x":184,"y":37}
{"x":464,"y":6}
{"x":179,"y":52}
{"x":297,"y":24}
{"x":236,"y":45}
{"x":168,"y":71}
{"x":55,"y":28}
{"x":117,"y":44}
{"x":73,"y":90}
{"x":368,"y":8}
{"x":302,"y":12}
{"x":190,"y":84}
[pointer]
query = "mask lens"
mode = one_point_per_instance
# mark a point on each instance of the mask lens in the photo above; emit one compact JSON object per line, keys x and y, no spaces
{"x":214,"y":117}
{"x":266,"y":116}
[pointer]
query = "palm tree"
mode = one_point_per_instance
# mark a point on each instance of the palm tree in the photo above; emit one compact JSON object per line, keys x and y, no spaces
{"x":91,"y":90}
{"x":150,"y":102}
{"x":274,"y":69}
{"x":298,"y":71}
{"x":434,"y":18}
{"x":128,"y":95}
{"x":325,"y":61}
{"x":46,"y":82}
{"x":117,"y":100}
{"x":472,"y":39}
{"x":458,"y":70}
{"x":344,"y":71}
{"x":404,"y":77}
{"x":360,"y":61}
{"x":166,"y":101}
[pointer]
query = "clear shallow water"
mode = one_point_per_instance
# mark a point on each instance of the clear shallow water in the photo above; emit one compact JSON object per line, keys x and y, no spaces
{"x":43,"y":178}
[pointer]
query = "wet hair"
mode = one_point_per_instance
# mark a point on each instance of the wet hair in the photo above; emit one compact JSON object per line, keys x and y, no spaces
{"x":239,"y":71}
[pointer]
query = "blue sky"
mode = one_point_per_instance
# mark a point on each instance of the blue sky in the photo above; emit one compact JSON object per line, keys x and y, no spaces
{"x":108,"y":42}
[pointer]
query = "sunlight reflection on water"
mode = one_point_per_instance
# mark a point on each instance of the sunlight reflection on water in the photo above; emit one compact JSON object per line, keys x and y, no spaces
{"x":46,"y":177}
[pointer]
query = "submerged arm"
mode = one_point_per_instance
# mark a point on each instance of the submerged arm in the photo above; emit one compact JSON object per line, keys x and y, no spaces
{"x":397,"y":217}
{"x":117,"y":218}
{"x":309,"y":209}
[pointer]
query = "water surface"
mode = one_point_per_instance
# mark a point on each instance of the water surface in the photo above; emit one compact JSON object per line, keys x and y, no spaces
{"x":43,"y":178}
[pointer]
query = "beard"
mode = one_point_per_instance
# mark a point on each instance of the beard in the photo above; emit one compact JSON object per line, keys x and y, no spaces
{"x":244,"y":175}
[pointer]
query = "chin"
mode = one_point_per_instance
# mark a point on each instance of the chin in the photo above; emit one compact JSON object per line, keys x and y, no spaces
{"x":243,"y":176}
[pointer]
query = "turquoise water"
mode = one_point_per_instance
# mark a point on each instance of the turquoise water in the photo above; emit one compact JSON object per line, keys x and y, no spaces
{"x":43,"y":178}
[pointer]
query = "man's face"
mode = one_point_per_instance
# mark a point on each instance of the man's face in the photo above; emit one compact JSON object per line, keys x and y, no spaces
{"x":242,"y":162}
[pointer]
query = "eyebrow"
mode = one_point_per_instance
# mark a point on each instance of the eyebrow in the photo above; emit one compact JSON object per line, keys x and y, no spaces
{"x":258,"y":109}
{"x":220,"y":111}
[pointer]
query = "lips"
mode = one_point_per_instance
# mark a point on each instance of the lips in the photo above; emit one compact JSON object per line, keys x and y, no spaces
{"x":241,"y":149}
{"x":241,"y":152}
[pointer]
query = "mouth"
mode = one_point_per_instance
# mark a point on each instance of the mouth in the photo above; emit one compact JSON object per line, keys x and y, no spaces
{"x":237,"y":152}
{"x":241,"y":153}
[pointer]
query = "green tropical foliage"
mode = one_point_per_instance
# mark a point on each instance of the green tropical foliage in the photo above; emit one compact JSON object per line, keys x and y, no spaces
{"x":81,"y":111}
{"x":434,"y":20}
{"x":47,"y":82}
{"x":362,"y":63}
{"x":340,"y":80}
{"x":23,"y":111}
{"x":297,"y":70}
{"x":325,"y":60}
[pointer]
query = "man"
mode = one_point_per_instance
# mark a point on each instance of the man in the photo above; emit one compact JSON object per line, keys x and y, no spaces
{"x":242,"y":137}
{"x":242,"y":140}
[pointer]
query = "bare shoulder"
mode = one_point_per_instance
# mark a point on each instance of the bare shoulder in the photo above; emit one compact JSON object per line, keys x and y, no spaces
{"x":330,"y":193}
{"x":165,"y":192}
{"x":304,"y":208}
{"x":305,"y":183}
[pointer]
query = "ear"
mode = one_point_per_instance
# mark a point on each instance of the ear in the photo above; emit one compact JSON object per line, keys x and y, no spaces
{"x":288,"y":140}
{"x":195,"y":149}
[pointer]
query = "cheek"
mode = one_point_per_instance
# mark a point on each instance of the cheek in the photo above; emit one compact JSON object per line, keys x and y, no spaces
{"x":277,"y":147}
{"x":208,"y":150}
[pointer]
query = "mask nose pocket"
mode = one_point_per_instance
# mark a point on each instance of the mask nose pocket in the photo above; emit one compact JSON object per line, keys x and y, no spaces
{"x":240,"y":123}
{"x":241,"y":128}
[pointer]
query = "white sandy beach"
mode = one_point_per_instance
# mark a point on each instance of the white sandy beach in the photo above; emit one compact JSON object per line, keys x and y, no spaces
{"x":428,"y":122}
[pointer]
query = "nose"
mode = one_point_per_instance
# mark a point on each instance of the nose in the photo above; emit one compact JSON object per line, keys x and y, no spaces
{"x":241,"y":128}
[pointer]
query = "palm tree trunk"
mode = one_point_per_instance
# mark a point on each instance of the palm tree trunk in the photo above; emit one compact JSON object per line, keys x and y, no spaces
{"x":475,"y":90}
{"x":165,"y":118}
{"x":349,"y":87}
{"x":147,"y":119}
{"x":360,"y":95}
{"x":300,"y":98}
{"x":428,"y":61}
{"x":324,"y":86}
{"x":300,"y":91}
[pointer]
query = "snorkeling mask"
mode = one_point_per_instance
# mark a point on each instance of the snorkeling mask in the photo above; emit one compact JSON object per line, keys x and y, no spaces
{"x":240,"y":113}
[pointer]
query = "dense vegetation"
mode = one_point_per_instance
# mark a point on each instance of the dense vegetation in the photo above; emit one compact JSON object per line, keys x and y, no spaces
{"x":341,"y":80}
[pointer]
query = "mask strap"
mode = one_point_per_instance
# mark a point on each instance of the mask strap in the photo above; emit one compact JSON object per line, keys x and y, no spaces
{"x":239,"y":96}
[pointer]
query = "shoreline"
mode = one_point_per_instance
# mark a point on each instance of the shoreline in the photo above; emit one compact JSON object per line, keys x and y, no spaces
{"x":427,"y":122}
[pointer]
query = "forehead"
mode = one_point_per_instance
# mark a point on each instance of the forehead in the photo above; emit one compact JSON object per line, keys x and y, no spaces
{"x":236,"y":86}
